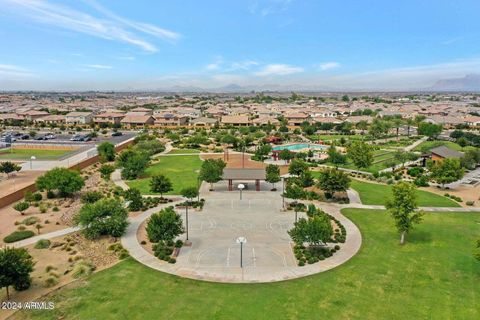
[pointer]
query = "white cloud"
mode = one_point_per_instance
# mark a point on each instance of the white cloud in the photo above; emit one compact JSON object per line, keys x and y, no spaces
{"x":268,"y":7}
{"x":129,"y":58}
{"x":12,"y":71}
{"x":328,"y":66}
{"x":113,"y":27}
{"x":218,"y":62}
{"x":278,"y":70}
{"x":243,"y":65}
{"x":98,"y":66}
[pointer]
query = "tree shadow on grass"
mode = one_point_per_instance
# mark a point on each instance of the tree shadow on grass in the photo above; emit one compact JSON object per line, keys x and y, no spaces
{"x":419,"y":237}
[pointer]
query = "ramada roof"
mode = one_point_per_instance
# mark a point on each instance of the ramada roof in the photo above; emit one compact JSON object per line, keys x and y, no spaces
{"x":243,"y":174}
{"x":446,"y":152}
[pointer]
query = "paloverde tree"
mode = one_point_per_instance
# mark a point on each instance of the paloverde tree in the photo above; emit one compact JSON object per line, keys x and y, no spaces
{"x":16,"y":264}
{"x":333,"y":180}
{"x":106,"y":151}
{"x":212,"y":171}
{"x":104,"y":217}
{"x":361,"y":154}
{"x":160,"y":184}
{"x":21,"y":207}
{"x":66,"y":181}
{"x":164,"y":226}
{"x":272,"y":173}
{"x":8,"y":167}
{"x":314,"y":231}
{"x":446,"y":171}
{"x":403,"y":208}
{"x":429,"y":129}
{"x":285,"y":155}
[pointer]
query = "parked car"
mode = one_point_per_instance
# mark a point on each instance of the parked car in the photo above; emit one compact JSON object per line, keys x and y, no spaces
{"x":50,"y":136}
{"x":117,"y":134}
{"x":85,"y":138}
{"x":24,"y":137}
{"x":76,"y":137}
{"x":41,"y":138}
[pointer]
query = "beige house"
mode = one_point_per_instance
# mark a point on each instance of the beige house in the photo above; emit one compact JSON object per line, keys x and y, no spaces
{"x":137,"y":121}
{"x":240,"y":120}
{"x":108,"y":118}
{"x":75,"y":117}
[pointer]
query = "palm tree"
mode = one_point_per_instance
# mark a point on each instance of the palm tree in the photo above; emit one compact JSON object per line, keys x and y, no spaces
{"x":410,"y":122}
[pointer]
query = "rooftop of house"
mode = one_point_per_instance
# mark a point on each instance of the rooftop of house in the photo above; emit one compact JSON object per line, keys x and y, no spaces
{"x":446,"y":152}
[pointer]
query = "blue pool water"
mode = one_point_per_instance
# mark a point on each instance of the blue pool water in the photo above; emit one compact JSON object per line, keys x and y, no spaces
{"x":300,"y":146}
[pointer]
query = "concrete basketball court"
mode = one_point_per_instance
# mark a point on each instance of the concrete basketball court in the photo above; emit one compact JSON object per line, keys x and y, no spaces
{"x":258,"y":217}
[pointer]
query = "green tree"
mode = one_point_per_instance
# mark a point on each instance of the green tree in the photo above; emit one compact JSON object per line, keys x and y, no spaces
{"x":285,"y":155}
{"x":189,"y":193}
{"x":297,"y":167}
{"x":262,"y":152}
{"x":272,"y":174}
{"x":379,"y":128}
{"x":160,"y":184}
{"x":314,"y":231}
{"x":106,"y":151}
{"x":362,"y":125}
{"x":471,"y":159}
{"x":105,"y":217}
{"x":212,"y":171}
{"x":21,"y":207}
{"x":16,"y":264}
{"x":410,"y":122}
{"x":401,"y":156}
{"x":8,"y":167}
{"x":429,"y":129}
{"x":106,"y":171}
{"x":333,"y":180}
{"x":403,"y":208}
{"x":135,"y":199}
{"x":66,"y":181}
{"x":336,"y":157}
{"x":164,"y":226}
{"x":361,"y":154}
{"x":133,"y":163}
{"x":397,"y":123}
{"x":446,"y":171}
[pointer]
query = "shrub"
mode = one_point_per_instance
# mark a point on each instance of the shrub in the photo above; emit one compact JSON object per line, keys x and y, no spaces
{"x":337,"y":247}
{"x":29,"y":221}
{"x":42,"y":244}
{"x":178,"y":243}
{"x":415,"y":171}
{"x":470,"y":203}
{"x":82,"y":268}
{"x":43,"y":208}
{"x":421,"y":181}
{"x":91,"y":196}
{"x":51,"y":281}
{"x":49,"y":268}
{"x":172,"y":260}
{"x":55,"y":209}
{"x":37,"y":196}
{"x":18,"y":235}
{"x":50,"y":194}
{"x":301,"y":263}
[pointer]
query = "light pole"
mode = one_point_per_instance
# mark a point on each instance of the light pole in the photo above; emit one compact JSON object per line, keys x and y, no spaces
{"x":198,"y":189}
{"x":283,"y":194}
{"x":295,"y":204}
{"x":241,"y":241}
{"x":241,"y":186}
{"x":186,"y":217}
{"x":31,"y":161}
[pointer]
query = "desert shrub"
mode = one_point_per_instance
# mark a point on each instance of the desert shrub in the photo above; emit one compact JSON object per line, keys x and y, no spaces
{"x":91,"y":196}
{"x":37,"y":196}
{"x":50,"y":282}
{"x":49,"y":268}
{"x":470,"y":203}
{"x":421,"y":181}
{"x":30,"y":221}
{"x":42,"y":244}
{"x":18,"y":235}
{"x":82,"y":268}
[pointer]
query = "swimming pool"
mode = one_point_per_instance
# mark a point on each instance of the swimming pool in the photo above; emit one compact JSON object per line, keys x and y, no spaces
{"x":300,"y":146}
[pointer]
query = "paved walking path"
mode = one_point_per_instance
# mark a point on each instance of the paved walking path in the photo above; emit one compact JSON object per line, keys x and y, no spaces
{"x":354,"y":196}
{"x":50,"y":235}
{"x":117,"y":179}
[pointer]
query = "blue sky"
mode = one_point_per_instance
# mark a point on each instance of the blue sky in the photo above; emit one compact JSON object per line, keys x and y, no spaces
{"x":350,"y":44}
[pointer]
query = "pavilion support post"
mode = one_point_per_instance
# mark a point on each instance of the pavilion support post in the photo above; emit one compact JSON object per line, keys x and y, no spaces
{"x":230,"y":185}
{"x":257,"y":184}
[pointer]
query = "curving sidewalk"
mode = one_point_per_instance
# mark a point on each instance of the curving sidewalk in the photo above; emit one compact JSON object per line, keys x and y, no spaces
{"x":235,"y":274}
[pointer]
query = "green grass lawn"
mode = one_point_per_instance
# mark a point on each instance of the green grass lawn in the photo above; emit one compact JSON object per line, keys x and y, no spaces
{"x":427,"y":145}
{"x":433,"y":276}
{"x":25,"y":154}
{"x":378,"y":194}
{"x":380,"y":158}
{"x":336,"y":137}
{"x":184,"y":151}
{"x":182,"y":171}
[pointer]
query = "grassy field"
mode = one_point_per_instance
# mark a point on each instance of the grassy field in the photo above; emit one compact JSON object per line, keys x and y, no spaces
{"x":380,"y":158}
{"x":427,"y":145}
{"x":182,"y":171}
{"x":336,"y":137}
{"x":25,"y":154}
{"x":378,"y":194}
{"x":433,"y":276}
{"x":184,"y":151}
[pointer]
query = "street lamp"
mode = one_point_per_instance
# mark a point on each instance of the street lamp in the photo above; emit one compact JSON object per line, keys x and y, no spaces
{"x":31,"y":159}
{"x":295,"y":207}
{"x":198,"y":188}
{"x":186,"y":216}
{"x":241,"y":186}
{"x":241,"y":241}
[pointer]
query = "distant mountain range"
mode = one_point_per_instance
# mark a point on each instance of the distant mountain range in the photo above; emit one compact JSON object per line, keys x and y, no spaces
{"x":469,"y":82}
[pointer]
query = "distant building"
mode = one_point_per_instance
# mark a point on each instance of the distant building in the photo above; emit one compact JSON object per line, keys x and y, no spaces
{"x":78,"y":118}
{"x":240,"y":120}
